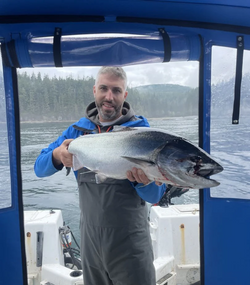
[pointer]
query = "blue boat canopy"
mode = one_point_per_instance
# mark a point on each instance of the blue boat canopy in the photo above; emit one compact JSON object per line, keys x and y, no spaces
{"x":59,"y":51}
{"x":45,"y":33}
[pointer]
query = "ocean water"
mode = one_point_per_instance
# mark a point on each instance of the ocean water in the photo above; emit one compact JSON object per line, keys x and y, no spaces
{"x":229,"y":146}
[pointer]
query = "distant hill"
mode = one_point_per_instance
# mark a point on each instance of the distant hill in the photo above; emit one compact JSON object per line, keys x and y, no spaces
{"x":166,"y":100}
{"x":163,"y":88}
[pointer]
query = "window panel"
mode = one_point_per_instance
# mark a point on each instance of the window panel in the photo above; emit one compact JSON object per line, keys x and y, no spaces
{"x":5,"y":186}
{"x":230,"y":143}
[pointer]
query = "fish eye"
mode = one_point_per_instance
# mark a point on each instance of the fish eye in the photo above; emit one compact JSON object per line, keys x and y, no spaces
{"x":196,"y":158}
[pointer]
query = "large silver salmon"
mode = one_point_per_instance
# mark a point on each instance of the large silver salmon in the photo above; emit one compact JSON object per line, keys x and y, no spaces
{"x":163,"y":157}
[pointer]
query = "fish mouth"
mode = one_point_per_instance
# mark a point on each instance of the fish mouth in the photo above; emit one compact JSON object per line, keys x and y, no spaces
{"x":208,"y":172}
{"x":205,"y":173}
{"x":205,"y":169}
{"x":205,"y":182}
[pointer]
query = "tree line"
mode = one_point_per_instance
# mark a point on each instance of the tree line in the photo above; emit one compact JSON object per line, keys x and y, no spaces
{"x":66,"y":99}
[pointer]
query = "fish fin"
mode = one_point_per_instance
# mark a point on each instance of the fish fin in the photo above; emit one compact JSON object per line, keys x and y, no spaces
{"x":118,"y":128}
{"x":76,"y":163}
{"x":156,"y":152}
{"x":86,"y":172}
{"x":100,"y":178}
{"x":68,"y":169}
{"x":139,"y":161}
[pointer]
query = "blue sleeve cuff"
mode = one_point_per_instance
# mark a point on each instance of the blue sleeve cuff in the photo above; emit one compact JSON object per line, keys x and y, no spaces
{"x":151,"y":193}
{"x":44,"y":165}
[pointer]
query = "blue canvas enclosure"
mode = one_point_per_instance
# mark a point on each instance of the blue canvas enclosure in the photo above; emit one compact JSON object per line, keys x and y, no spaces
{"x":57,"y":33}
{"x":82,"y":51}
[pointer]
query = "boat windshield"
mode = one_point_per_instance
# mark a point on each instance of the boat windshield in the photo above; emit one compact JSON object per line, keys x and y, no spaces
{"x":230,"y":142}
{"x":5,"y":188}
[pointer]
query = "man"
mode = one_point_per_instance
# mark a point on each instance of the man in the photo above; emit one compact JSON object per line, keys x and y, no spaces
{"x":116,"y":247}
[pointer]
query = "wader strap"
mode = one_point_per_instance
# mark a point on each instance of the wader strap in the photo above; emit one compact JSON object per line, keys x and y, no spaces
{"x":167,"y":45}
{"x":12,"y":53}
{"x":57,"y":47}
{"x":238,"y":78}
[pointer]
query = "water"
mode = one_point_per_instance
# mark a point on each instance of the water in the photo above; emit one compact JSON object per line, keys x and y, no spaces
{"x":56,"y":191}
{"x":229,"y":146}
{"x":5,"y":189}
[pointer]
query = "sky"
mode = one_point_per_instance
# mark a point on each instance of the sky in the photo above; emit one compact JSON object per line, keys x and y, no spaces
{"x":183,"y":73}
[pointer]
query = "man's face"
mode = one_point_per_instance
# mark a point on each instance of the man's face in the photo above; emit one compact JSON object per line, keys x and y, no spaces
{"x":110,"y":94}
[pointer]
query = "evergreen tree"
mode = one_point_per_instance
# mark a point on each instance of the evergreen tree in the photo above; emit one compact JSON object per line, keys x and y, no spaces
{"x":53,"y":99}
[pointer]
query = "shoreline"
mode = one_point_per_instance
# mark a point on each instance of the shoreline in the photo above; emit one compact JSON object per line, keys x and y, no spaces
{"x":72,"y":121}
{"x":42,"y":122}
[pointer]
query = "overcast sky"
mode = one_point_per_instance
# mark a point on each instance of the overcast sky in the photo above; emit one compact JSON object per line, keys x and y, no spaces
{"x":183,"y":73}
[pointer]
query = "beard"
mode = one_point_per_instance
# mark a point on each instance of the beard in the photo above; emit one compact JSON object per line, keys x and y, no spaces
{"x":109,"y":115}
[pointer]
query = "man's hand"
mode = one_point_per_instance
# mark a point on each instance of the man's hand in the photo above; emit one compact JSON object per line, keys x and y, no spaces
{"x":61,"y":155}
{"x":138,"y":175}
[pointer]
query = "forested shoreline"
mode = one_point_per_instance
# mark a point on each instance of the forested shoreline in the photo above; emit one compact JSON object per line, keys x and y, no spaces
{"x":65,"y":99}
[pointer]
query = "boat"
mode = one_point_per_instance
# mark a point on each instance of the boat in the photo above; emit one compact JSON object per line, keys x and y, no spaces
{"x":56,"y":261}
{"x":207,"y":243}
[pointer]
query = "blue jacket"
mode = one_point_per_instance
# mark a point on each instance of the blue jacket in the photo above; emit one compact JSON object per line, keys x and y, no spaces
{"x":44,"y":166}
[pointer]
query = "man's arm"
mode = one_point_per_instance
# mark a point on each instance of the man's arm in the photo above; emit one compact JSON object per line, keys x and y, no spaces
{"x":55,"y":156}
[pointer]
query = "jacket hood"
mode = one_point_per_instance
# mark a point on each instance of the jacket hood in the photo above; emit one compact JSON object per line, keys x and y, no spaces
{"x":92,"y":114}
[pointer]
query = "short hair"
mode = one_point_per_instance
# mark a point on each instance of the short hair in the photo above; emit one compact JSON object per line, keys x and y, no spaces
{"x":113,"y":70}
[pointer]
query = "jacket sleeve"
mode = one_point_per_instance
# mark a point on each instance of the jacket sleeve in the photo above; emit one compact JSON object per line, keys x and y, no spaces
{"x":44,"y":166}
{"x":151,"y":193}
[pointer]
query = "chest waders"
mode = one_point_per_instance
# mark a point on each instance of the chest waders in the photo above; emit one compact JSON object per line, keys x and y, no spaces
{"x":116,"y":247}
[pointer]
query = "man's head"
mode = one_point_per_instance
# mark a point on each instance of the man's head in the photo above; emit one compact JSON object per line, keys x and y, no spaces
{"x":110,"y":92}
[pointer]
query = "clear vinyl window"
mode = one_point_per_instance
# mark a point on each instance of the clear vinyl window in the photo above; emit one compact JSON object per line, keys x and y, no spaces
{"x":230,"y":142}
{"x":5,"y":186}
